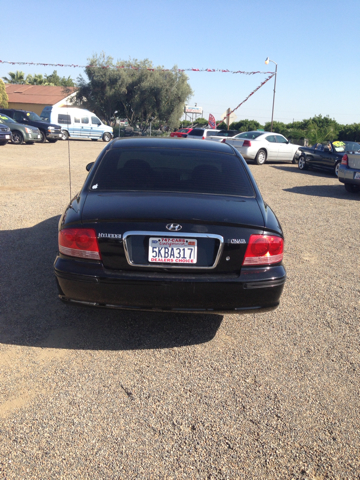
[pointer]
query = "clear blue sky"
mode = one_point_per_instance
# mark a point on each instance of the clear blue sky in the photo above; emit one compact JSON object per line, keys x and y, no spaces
{"x":315,"y":43}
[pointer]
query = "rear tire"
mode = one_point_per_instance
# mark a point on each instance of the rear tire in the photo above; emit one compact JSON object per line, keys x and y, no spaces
{"x":351,"y":188}
{"x":64,"y":135}
{"x":260,"y":158}
{"x":17,"y":138}
{"x":106,"y":137}
{"x":302,"y":163}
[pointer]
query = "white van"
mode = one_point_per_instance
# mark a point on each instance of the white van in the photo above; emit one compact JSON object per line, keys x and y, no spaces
{"x":77,"y":123}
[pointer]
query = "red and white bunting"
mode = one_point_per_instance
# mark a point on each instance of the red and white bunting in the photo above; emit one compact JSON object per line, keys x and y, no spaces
{"x":212,"y":121}
{"x":132,"y":67}
{"x":247,"y":98}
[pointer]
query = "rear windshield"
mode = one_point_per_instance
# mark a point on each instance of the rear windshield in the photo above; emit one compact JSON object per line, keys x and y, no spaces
{"x":197,"y":131}
{"x":211,"y":133}
{"x":250,"y":135}
{"x":164,"y":170}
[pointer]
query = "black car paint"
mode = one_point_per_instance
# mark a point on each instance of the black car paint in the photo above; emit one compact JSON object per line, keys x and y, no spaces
{"x":320,"y":159}
{"x":114,"y":283}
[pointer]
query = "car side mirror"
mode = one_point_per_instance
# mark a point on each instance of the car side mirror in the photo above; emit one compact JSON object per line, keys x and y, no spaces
{"x":89,"y":166}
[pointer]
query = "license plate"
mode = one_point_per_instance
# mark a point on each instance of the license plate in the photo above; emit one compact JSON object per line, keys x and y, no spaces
{"x":172,"y":250}
{"x":357,"y":176}
{"x":39,"y":136}
{"x":7,"y":136}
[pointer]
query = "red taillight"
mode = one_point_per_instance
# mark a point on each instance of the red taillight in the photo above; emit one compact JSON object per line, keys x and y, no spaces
{"x":264,"y":250}
{"x":344,"y":160}
{"x":203,"y":138}
{"x":246,"y":143}
{"x":223,"y":140}
{"x":79,"y":242}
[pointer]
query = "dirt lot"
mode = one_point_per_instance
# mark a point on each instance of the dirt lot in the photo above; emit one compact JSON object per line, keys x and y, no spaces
{"x":101,"y":394}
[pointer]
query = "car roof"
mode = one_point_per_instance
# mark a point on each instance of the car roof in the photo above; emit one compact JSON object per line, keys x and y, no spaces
{"x":181,"y":144}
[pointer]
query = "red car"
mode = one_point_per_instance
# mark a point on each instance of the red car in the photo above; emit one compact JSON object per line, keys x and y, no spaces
{"x":181,"y":133}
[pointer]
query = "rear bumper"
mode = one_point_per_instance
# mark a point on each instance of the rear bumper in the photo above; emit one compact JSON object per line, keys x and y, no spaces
{"x":88,"y":283}
{"x":347,"y":174}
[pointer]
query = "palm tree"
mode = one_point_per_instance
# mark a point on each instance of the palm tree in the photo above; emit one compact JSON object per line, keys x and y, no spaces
{"x":17,"y":77}
{"x":317,"y":134}
{"x":37,"y":79}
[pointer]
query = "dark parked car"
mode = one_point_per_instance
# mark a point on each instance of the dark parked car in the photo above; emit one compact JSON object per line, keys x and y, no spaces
{"x":5,"y":134}
{"x":20,"y":133}
{"x":48,"y":131}
{"x":324,"y":156}
{"x":164,"y":225}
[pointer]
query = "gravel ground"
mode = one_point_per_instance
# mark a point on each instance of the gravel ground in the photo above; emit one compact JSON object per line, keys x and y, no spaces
{"x":90,"y":393}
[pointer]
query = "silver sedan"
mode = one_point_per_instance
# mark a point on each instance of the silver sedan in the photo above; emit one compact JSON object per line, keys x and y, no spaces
{"x":261,"y":146}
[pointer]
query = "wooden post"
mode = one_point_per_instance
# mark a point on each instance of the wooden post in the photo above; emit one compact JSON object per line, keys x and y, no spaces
{"x":228,"y":118}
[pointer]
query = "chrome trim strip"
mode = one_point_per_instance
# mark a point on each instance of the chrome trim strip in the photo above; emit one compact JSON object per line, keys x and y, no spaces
{"x":166,"y":234}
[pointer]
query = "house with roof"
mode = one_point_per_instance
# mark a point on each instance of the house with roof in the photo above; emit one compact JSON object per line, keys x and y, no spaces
{"x":36,"y":97}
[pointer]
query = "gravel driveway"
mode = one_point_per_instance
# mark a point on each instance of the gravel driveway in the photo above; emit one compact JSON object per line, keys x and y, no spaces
{"x":94,"y":394}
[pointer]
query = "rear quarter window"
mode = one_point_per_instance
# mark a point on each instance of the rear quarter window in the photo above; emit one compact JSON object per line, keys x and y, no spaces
{"x":197,"y":132}
{"x":163,"y":170}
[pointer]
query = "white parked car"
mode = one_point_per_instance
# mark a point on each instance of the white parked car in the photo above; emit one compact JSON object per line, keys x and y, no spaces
{"x":203,"y":133}
{"x":261,"y":146}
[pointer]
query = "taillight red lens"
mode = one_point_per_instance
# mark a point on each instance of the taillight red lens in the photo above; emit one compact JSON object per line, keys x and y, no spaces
{"x":246,"y":143}
{"x":203,"y":138}
{"x":79,"y":242}
{"x":264,"y":250}
{"x":344,"y":160}
{"x":223,"y":140}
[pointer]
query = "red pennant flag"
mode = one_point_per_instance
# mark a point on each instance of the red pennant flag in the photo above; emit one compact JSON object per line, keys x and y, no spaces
{"x":212,"y":122}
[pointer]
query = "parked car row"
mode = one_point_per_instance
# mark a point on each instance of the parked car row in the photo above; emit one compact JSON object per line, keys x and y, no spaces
{"x":326,"y":156}
{"x":54,"y":124}
{"x":20,"y":133}
{"x":258,"y":145}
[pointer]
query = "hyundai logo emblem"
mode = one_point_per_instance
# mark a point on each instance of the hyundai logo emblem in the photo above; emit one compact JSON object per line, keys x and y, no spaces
{"x":173,"y":227}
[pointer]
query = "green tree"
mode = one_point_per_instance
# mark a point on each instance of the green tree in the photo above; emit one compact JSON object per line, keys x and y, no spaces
{"x":320,"y":134}
{"x":246,"y":125}
{"x":15,"y":77}
{"x":185,"y":124}
{"x":3,"y":95}
{"x":278,"y":127}
{"x":37,"y":79}
{"x":138,"y":94}
{"x":200,"y":122}
{"x":55,"y":79}
{"x":350,"y":132}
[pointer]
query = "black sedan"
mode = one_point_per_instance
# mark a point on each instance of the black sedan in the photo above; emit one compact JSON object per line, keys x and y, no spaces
{"x":170,"y":226}
{"x":324,"y":156}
